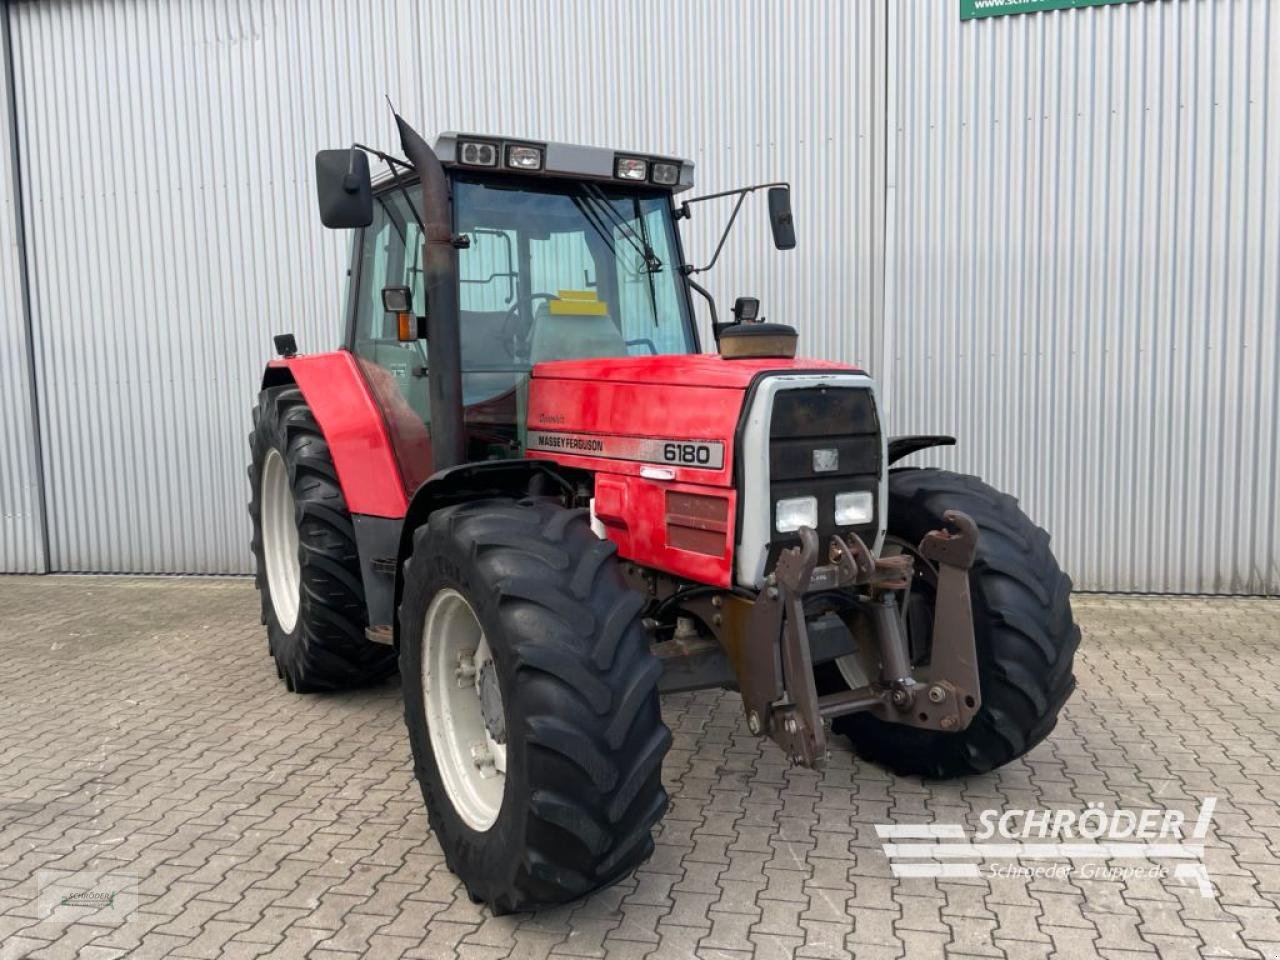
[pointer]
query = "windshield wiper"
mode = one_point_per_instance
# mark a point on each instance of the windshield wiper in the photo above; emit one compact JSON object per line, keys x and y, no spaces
{"x":638,"y":243}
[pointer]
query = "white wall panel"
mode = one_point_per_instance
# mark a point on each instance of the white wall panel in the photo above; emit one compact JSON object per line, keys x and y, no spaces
{"x":172,"y":221}
{"x":21,"y":526}
{"x":1084,"y":236}
{"x":1055,"y":235}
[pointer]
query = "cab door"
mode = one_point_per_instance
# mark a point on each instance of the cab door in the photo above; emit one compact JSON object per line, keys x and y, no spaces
{"x":390,"y":255}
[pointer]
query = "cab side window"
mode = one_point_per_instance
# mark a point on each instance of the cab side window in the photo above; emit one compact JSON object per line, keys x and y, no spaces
{"x":392,"y":256}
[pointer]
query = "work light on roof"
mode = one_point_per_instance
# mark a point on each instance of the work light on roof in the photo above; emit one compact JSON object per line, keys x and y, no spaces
{"x":666,"y":174}
{"x":630,"y":168}
{"x":477,"y":153}
{"x":521,"y":157}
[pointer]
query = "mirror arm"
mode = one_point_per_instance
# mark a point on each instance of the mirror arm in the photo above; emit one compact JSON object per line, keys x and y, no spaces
{"x":392,"y":163}
{"x":711,"y":302}
{"x":390,"y":160}
{"x":725,"y":235}
{"x":741,"y":194}
{"x":729,"y":193}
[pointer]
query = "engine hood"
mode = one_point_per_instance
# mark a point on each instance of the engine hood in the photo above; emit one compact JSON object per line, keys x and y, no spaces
{"x":701,"y":369}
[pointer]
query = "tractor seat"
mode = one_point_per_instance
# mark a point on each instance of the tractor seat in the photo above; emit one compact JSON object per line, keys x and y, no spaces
{"x":574,"y":327}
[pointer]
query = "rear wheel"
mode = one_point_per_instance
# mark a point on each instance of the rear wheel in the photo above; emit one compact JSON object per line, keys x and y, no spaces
{"x":1025,"y":635}
{"x":531,"y":701}
{"x":308,"y":568}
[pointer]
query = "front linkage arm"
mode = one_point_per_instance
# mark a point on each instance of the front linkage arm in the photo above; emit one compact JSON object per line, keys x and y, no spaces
{"x":770,"y":650}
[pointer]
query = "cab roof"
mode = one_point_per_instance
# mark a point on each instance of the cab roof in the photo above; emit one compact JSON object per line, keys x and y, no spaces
{"x":572,"y":160}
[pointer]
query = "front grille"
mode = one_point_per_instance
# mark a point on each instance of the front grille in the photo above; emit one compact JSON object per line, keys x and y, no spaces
{"x":842,"y":419}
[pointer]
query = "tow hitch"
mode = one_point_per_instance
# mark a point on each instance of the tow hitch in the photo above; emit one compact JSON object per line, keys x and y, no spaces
{"x":773,"y":663}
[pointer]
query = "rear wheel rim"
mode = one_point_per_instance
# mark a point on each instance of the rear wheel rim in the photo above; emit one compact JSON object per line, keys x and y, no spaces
{"x":456,"y":663}
{"x":280,"y":541}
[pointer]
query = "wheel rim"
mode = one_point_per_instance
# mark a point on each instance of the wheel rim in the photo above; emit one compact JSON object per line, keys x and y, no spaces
{"x":280,"y":541}
{"x":465,"y":714}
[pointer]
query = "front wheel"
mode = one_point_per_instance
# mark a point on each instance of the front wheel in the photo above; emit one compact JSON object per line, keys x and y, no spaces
{"x":531,"y":701}
{"x":1023,"y":629}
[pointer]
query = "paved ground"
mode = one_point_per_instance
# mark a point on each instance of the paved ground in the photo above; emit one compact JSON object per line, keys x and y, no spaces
{"x":161,"y":794}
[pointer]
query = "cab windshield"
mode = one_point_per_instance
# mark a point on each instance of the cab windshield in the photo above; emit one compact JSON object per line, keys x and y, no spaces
{"x":550,"y":271}
{"x":558,"y":271}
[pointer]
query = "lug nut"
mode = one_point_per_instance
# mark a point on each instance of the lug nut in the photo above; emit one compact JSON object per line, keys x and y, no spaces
{"x":466,"y":669}
{"x":482,"y":757}
{"x":937,"y":694}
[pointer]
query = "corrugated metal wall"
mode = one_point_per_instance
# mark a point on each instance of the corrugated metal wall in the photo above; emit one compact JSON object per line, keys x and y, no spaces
{"x":1056,"y":235}
{"x":21,"y":525}
{"x":173,"y":228}
{"x":1083,"y":240}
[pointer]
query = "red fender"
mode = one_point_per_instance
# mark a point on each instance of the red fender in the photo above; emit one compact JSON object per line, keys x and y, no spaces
{"x":340,"y":397}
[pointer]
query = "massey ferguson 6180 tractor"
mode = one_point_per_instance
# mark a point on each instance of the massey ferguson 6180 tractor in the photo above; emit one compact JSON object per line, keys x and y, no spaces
{"x":523,"y":482}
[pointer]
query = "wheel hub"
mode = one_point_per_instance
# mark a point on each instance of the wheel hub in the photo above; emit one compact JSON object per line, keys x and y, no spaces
{"x":495,"y":718}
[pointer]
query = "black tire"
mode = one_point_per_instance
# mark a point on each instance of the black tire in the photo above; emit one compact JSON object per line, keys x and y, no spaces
{"x":585,"y":737}
{"x":1025,"y":635}
{"x":326,"y":648}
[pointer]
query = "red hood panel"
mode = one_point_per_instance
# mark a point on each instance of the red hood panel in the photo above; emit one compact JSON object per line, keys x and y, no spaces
{"x":703,"y":369}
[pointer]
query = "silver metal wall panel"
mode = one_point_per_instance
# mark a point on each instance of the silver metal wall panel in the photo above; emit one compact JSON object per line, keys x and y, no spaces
{"x":1081,"y":280}
{"x":173,"y":226}
{"x":21,"y":527}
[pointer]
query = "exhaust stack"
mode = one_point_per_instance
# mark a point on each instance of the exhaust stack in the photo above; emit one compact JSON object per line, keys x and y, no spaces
{"x":440,"y":275}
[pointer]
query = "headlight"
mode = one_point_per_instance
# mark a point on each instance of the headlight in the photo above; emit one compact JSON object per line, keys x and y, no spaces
{"x":630,"y":168}
{"x":523,"y":158}
{"x":855,"y":508}
{"x":795,"y":512}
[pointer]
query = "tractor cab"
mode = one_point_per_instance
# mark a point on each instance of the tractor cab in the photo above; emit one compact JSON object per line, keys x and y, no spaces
{"x":563,"y":253}
{"x":556,"y":252}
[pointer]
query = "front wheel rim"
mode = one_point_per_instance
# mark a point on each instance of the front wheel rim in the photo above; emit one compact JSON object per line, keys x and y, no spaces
{"x":468,"y":736}
{"x":280,"y":541}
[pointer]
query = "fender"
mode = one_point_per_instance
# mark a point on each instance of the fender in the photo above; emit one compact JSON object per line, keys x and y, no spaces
{"x":466,"y":482}
{"x":344,"y":407}
{"x":900,"y":447}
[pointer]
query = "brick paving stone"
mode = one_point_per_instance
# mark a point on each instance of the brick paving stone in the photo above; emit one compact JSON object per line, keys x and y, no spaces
{"x":146,"y":747}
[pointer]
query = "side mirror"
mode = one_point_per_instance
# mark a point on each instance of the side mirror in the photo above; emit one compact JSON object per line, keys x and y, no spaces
{"x":399,"y":300}
{"x":343,"y":188}
{"x":780,"y":219}
{"x":746,"y":309}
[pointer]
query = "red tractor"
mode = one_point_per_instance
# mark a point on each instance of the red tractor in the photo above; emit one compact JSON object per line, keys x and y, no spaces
{"x":522,"y":482}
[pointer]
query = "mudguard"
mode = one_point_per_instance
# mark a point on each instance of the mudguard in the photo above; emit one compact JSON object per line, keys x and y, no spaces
{"x":343,"y":404}
{"x":900,"y":447}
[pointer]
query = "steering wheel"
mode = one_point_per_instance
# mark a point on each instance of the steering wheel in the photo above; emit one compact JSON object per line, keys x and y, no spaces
{"x":511,"y":327}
